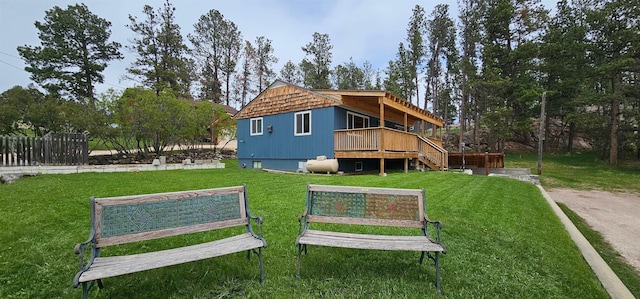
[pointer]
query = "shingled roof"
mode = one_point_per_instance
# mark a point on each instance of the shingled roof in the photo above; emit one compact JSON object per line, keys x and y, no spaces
{"x":281,"y":97}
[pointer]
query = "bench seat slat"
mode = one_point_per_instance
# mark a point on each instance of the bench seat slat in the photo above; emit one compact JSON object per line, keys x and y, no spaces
{"x":362,"y":241}
{"x":104,"y":267}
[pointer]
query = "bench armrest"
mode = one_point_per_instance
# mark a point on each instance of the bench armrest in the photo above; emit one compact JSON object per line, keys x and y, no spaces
{"x":302,"y":220}
{"x":436,"y":224}
{"x":80,"y":249}
{"x":258,"y":221}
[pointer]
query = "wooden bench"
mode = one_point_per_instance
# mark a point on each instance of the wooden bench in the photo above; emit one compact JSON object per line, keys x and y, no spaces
{"x":127,"y":219}
{"x":369,"y":206}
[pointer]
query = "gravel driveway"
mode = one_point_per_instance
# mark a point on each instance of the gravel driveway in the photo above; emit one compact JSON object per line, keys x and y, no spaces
{"x":615,"y":215}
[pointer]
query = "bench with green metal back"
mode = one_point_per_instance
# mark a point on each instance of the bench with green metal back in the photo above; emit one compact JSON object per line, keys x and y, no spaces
{"x":402,"y":208}
{"x":128,"y":219}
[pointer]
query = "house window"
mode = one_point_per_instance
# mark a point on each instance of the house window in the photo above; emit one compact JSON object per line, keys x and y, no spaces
{"x":256,"y":126}
{"x":357,"y":121}
{"x":257,"y":164}
{"x":359,"y":166}
{"x":302,"y":123}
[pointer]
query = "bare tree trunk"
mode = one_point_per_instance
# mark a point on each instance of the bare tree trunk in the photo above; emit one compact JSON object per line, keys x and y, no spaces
{"x":463,"y":121}
{"x":476,"y":123}
{"x":615,"y":110}
{"x":418,"y":91}
{"x":613,"y":150}
{"x":571,"y":136}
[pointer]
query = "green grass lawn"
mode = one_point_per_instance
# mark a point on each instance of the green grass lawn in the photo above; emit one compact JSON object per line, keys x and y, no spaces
{"x":580,"y":171}
{"x":586,"y":172}
{"x":503,"y":241}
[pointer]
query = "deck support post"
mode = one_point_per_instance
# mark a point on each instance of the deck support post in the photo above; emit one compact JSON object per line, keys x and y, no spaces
{"x":382,"y":166}
{"x":406,"y":165}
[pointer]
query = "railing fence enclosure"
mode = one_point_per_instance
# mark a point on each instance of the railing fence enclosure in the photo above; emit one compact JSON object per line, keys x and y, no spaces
{"x":52,"y":149}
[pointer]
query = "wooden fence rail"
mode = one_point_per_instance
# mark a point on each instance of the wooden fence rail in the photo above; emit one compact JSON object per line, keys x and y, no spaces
{"x":52,"y":149}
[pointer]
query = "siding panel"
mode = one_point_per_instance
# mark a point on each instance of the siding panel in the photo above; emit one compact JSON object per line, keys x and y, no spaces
{"x":281,"y":148}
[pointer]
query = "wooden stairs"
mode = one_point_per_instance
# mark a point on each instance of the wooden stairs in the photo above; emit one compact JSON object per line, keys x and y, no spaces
{"x":432,"y":155}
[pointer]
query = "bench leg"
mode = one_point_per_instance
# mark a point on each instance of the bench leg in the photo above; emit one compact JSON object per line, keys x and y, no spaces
{"x":437,"y":262}
{"x":259,"y":254}
{"x":301,"y":247}
{"x":261,"y":266}
{"x":85,"y":290}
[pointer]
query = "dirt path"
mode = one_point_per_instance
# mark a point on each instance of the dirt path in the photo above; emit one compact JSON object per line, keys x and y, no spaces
{"x":615,"y":215}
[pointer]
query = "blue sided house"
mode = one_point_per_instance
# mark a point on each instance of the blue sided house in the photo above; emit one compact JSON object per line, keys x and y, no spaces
{"x":286,"y":127}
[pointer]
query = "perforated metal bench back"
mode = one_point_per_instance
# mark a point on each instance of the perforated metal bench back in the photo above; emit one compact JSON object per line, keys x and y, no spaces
{"x":125,"y":219}
{"x":359,"y":205}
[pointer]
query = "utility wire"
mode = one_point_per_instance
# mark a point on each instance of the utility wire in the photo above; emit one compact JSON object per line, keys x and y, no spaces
{"x":10,"y":55}
{"x":18,"y":68}
{"x":11,"y":65}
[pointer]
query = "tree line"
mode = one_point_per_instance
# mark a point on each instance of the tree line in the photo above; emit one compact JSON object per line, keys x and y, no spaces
{"x":485,"y":70}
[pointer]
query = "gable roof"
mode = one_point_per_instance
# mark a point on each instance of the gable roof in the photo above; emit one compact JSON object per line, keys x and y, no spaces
{"x":281,"y":97}
{"x":228,"y":109}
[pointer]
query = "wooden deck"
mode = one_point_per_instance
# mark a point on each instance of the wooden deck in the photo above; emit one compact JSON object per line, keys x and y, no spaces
{"x":489,"y":160}
{"x":386,"y":143}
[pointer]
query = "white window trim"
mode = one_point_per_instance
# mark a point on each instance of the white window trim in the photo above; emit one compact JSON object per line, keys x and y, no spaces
{"x":351,"y":114}
{"x":261,"y":126}
{"x":295,"y":123}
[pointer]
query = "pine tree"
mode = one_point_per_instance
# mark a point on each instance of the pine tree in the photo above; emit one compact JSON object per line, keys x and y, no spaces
{"x":162,"y":61}
{"x":264,"y":62}
{"x":315,"y":67}
{"x":416,"y":51}
{"x":75,"y":50}
{"x":291,"y":73}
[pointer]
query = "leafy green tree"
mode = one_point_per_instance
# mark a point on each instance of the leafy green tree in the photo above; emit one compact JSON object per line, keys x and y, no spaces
{"x":75,"y":49}
{"x":29,"y":109}
{"x":14,"y":107}
{"x":162,"y":62}
{"x":315,"y":67}
{"x":153,"y":120}
{"x":222,"y":126}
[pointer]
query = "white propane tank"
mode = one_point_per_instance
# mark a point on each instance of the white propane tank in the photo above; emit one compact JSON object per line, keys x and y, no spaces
{"x":322,"y":164}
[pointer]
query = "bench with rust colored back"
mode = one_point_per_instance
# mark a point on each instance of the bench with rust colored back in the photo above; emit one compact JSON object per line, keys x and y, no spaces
{"x":403,"y":208}
{"x":128,"y":219}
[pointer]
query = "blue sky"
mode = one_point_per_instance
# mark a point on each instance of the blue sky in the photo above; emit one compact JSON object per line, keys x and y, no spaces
{"x":367,"y":30}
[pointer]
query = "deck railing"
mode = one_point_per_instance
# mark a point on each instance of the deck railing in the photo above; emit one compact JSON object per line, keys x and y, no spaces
{"x":390,"y":140}
{"x":375,"y":139}
{"x":357,"y":140}
{"x":434,"y":153}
